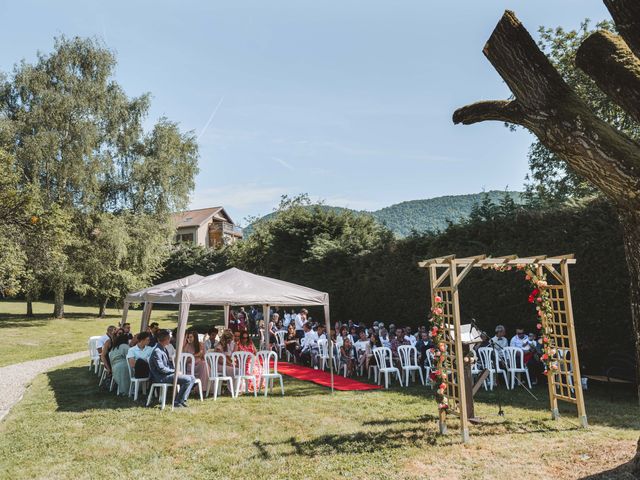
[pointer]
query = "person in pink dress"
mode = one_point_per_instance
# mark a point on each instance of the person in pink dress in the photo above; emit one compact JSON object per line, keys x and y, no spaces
{"x":246,"y":345}
{"x":193,"y":346}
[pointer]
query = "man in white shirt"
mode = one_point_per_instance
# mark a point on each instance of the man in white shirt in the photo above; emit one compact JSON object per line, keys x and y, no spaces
{"x":286,"y":320}
{"x":309,"y":345}
{"x":100,"y":343}
{"x":300,"y":320}
{"x":384,"y":338}
{"x":520,"y":340}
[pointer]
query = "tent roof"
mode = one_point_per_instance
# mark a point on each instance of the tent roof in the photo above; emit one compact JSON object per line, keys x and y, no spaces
{"x":142,"y":295}
{"x":237,"y":287}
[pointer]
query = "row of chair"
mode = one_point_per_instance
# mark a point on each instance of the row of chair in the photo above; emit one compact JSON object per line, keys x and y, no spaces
{"x":244,"y":371}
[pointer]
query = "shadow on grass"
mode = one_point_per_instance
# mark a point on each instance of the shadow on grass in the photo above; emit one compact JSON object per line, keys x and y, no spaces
{"x":76,"y":390}
{"x":13,"y":320}
{"x":621,"y":472}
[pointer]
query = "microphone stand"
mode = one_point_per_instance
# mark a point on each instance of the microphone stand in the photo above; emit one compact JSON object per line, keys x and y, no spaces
{"x":497,"y":359}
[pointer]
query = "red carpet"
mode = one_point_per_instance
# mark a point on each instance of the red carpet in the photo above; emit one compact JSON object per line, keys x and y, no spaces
{"x":323,"y":378}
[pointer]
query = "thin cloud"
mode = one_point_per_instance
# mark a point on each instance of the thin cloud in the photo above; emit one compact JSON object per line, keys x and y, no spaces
{"x":282,"y":162}
{"x":213,"y":114}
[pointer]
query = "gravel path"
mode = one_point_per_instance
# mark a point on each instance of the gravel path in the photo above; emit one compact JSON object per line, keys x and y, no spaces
{"x":14,"y":379}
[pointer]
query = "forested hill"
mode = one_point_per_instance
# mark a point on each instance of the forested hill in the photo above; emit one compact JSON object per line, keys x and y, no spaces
{"x":428,"y":215}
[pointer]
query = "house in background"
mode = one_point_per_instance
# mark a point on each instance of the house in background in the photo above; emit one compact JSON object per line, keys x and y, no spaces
{"x":209,"y":227}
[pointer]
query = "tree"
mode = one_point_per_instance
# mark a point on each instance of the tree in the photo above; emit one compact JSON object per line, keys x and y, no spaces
{"x":79,"y":145}
{"x":546,"y":105}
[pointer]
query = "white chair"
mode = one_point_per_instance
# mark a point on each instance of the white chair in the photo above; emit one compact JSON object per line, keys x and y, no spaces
{"x":372,"y":366}
{"x":280,"y":334}
{"x":514,"y":360}
{"x":409,"y":363}
{"x":269,"y":372}
{"x":135,"y":383}
{"x":428,"y":366}
{"x":94,"y":356}
{"x":477,"y":369}
{"x":217,"y":363}
{"x":499,"y":354}
{"x":323,"y":353}
{"x":162,"y":393}
{"x":489,"y":362}
{"x":188,"y":367}
{"x":385,"y":365}
{"x":243,"y":367}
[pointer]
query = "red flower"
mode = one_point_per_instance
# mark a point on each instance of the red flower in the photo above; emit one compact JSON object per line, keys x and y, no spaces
{"x":533,"y":295}
{"x":443,"y":386}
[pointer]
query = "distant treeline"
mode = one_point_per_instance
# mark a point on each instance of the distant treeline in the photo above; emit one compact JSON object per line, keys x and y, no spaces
{"x":371,"y":275}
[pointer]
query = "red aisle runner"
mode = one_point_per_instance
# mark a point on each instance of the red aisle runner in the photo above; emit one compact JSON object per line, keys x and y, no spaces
{"x":323,"y":378}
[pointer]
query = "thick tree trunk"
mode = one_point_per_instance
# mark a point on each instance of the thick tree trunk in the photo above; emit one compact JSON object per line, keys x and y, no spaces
{"x":58,"y":301}
{"x":29,"y":308}
{"x":631,"y":234}
{"x":103,"y":308}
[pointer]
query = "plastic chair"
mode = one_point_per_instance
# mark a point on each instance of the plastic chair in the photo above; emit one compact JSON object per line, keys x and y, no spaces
{"x":217,"y":363}
{"x":485,"y":354}
{"x":243,"y":366}
{"x":269,"y":374}
{"x":409,"y":363}
{"x":323,"y":353}
{"x":499,"y":370}
{"x":94,"y":356}
{"x":385,"y":365}
{"x":135,"y":383}
{"x":514,"y":359}
{"x":280,"y":334}
{"x":162,"y":393}
{"x":188,"y":367}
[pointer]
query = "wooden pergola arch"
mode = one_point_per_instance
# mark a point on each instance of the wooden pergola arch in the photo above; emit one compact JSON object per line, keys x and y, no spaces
{"x":446,"y":274}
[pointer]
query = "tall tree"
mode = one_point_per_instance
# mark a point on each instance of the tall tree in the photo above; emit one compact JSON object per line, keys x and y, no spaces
{"x":546,"y":105}
{"x":79,"y":144}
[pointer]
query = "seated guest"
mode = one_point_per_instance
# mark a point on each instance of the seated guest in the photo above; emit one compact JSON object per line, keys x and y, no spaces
{"x":409,"y":337}
{"x":521,"y":340}
{"x":500,"y":340}
{"x":210,"y":342}
{"x":348,"y":355}
{"x":384,"y":337}
{"x":291,"y":342}
{"x":363,"y":350}
{"x":153,"y":329}
{"x":127,"y":330}
{"x":236,"y":336}
{"x":119,"y":366}
{"x":106,"y":348}
{"x":141,"y":349}
{"x":162,"y":369}
{"x":423,"y":345}
{"x":245,"y":344}
{"x":226,"y":346}
{"x":193,"y":346}
{"x":308,"y":346}
{"x":110,"y":331}
{"x":322,"y":334}
{"x":353,"y":334}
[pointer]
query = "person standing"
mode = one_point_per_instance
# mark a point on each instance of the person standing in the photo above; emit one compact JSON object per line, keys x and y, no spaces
{"x":163,"y":370}
{"x":300,"y":319}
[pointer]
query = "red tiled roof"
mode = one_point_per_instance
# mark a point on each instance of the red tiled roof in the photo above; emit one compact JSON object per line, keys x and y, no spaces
{"x":195,"y":218}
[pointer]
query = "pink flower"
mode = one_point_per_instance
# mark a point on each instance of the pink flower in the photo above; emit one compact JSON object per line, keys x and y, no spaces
{"x":442,"y":386}
{"x":437,"y":311}
{"x":539,"y":326}
{"x":437,"y":299}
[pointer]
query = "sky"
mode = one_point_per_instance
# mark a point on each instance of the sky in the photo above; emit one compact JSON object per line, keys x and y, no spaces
{"x":349,"y":101}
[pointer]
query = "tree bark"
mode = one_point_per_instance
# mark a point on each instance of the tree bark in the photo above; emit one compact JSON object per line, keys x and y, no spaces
{"x":626,"y":15}
{"x":608,"y":60}
{"x":103,"y":308}
{"x":58,"y":301}
{"x":29,"y":308}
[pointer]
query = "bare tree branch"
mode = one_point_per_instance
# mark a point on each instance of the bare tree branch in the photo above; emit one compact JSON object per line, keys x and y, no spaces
{"x":501,"y":110}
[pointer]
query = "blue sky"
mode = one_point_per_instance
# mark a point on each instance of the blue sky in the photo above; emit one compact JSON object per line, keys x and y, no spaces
{"x":349,"y":101}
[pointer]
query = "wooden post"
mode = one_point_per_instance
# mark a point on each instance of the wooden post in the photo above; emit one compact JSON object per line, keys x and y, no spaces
{"x":573,"y":346}
{"x":442,"y":414}
{"x":464,"y":420}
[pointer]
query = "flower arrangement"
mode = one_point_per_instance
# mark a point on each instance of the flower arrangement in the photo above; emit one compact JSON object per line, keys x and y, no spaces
{"x":540,"y":297}
{"x":439,"y":377}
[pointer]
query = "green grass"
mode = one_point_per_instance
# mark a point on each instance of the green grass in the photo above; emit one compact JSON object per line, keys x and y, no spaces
{"x":66,"y":428}
{"x":23,"y":338}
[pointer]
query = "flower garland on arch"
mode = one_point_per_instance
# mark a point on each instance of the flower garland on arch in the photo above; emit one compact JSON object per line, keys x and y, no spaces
{"x":440,"y":376}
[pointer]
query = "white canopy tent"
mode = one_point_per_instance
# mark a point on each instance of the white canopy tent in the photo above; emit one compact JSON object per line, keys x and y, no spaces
{"x":232,"y":287}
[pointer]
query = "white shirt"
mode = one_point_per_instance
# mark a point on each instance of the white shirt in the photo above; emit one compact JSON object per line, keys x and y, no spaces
{"x":299,"y":322}
{"x":310,"y":340}
{"x":385,"y":341}
{"x":411,"y":339}
{"x":362,"y":346}
{"x":101,"y":340}
{"x":286,"y":320}
{"x":523,"y":343}
{"x":136,"y":352}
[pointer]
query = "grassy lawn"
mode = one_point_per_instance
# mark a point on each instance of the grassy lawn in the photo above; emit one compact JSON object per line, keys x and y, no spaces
{"x":66,"y":428}
{"x":23,"y":338}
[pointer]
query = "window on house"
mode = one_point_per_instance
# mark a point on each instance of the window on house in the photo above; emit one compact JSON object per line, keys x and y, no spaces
{"x":185,"y":238}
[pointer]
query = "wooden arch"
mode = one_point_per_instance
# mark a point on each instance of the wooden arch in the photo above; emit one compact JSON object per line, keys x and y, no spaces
{"x":446,"y":274}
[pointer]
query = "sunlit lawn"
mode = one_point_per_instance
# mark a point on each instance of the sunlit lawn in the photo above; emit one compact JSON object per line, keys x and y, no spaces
{"x":66,"y":428}
{"x":23,"y":338}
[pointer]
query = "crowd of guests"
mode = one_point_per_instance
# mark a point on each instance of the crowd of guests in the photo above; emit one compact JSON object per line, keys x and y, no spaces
{"x":150,"y":353}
